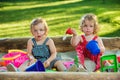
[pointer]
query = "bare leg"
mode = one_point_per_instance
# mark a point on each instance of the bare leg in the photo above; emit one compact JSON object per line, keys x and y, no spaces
{"x":23,"y":66}
{"x":59,"y":65}
{"x":11,"y":67}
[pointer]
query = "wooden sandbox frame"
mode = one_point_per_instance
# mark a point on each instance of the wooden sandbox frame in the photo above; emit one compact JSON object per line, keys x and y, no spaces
{"x":62,"y":46}
{"x":112,"y":43}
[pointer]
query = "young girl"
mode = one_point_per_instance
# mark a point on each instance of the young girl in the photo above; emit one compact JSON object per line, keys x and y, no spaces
{"x":41,"y":47}
{"x":89,"y":26}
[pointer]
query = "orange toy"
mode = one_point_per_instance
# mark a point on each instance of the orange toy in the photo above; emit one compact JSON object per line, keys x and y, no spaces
{"x":2,"y":63}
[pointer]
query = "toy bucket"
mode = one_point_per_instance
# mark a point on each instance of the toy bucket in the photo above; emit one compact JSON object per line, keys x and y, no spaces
{"x":93,"y":47}
{"x":38,"y":66}
{"x":16,"y":58}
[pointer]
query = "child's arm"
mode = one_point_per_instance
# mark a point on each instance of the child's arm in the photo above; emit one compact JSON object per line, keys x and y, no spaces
{"x":100,"y":43}
{"x":53,"y":52}
{"x":29,"y":51}
{"x":75,"y":38}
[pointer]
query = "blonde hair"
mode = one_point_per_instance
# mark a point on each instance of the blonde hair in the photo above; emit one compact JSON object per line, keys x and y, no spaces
{"x":37,"y":21}
{"x":90,"y":17}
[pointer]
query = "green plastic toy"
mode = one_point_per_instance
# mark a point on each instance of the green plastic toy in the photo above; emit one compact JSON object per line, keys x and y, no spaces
{"x":76,"y":61}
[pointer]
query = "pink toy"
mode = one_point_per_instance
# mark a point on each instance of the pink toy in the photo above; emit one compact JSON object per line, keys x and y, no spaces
{"x":68,"y":64}
{"x":15,"y":57}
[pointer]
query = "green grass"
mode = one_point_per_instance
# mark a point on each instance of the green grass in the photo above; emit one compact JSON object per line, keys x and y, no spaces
{"x":15,"y":16}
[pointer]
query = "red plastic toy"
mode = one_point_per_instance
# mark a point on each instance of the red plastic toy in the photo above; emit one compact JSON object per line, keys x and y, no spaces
{"x":69,"y":31}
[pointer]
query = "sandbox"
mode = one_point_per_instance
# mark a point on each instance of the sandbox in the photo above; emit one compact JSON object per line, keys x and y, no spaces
{"x":112,"y":46}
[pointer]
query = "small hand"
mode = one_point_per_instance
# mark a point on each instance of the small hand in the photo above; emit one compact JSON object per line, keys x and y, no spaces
{"x":46,"y":64}
{"x":32,"y":61}
{"x":74,"y":32}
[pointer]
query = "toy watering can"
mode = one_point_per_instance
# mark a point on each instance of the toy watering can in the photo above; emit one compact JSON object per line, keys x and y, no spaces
{"x":69,"y":32}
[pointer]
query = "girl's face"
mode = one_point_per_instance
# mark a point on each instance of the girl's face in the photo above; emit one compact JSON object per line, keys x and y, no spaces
{"x":38,"y":31}
{"x":88,"y":27}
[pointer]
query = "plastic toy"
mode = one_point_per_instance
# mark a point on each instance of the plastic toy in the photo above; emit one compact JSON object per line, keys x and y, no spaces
{"x":68,"y":31}
{"x":93,"y":47}
{"x":38,"y":66}
{"x":16,"y":50}
{"x":68,"y":64}
{"x":114,"y":64}
{"x":53,"y":70}
{"x":2,"y":63}
{"x":16,"y":57}
{"x":47,"y":70}
{"x":118,"y":57}
{"x":76,"y":61}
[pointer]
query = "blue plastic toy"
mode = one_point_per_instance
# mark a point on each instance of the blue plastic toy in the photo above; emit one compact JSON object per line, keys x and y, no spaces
{"x":38,"y":66}
{"x":93,"y":47}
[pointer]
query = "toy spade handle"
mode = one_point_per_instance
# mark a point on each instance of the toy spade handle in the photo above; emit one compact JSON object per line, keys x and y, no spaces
{"x":76,"y":61}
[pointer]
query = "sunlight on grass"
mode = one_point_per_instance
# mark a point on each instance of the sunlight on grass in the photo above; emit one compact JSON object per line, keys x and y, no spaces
{"x":111,"y":17}
{"x":117,"y":18}
{"x":11,"y":29}
{"x":60,"y":29}
{"x":60,"y":14}
{"x":107,"y":29}
{"x":110,"y":12}
{"x":28,"y":5}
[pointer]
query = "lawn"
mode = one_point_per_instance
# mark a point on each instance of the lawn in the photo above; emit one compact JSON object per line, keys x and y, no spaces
{"x":16,"y":15}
